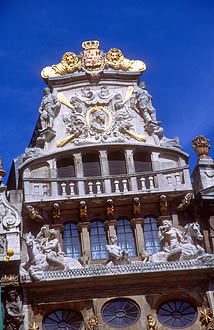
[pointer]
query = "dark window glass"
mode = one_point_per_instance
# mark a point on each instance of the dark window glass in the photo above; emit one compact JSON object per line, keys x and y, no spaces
{"x":71,"y":241}
{"x":117,"y":164}
{"x":121,"y":313}
{"x":65,"y":168}
{"x":125,"y":236}
{"x":176,"y":314}
{"x":98,"y":240}
{"x":63,"y":319}
{"x":142,"y":162}
{"x":91,"y":165}
{"x":151,"y":239}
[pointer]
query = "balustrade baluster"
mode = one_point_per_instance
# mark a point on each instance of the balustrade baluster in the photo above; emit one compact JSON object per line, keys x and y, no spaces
{"x":63,"y":186}
{"x":36,"y":189}
{"x":177,"y":178}
{"x":169,"y":179}
{"x":151,"y":182}
{"x":72,"y":185}
{"x":45,"y":189}
{"x":143,"y":184}
{"x":116,"y":185}
{"x":125,"y":185}
{"x":90,"y":188}
{"x":98,"y":184}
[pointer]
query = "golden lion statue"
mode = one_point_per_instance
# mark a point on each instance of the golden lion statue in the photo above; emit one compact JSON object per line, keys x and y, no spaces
{"x":68,"y":64}
{"x":117,"y":61}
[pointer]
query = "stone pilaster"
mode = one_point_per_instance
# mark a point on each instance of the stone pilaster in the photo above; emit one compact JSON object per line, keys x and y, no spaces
{"x":84,"y":228}
{"x":111,"y":227}
{"x":139,"y":236}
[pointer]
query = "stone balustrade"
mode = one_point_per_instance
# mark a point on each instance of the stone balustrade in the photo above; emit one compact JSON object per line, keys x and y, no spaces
{"x":156,"y":181}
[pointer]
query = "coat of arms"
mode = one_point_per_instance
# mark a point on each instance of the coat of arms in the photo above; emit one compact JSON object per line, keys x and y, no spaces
{"x":92,"y":57}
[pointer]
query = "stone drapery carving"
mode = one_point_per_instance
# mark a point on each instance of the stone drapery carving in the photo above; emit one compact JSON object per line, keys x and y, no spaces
{"x":177,"y":244}
{"x":116,"y":255}
{"x":48,"y":108}
{"x":13,"y":311}
{"x":44,"y":253}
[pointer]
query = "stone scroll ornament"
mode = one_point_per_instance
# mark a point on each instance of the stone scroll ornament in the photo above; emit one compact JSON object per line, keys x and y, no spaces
{"x":44,"y":254}
{"x":179,"y":245}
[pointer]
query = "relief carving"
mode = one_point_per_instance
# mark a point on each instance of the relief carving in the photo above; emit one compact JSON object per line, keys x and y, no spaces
{"x":13,"y":310}
{"x":44,"y":253}
{"x":116,"y":255}
{"x":8,"y":214}
{"x":179,"y":245}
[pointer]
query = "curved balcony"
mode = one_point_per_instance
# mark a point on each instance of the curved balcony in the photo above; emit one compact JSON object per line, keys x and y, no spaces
{"x":162,"y":181}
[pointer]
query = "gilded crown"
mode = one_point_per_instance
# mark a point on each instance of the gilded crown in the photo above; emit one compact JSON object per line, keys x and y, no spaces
{"x":90,"y":44}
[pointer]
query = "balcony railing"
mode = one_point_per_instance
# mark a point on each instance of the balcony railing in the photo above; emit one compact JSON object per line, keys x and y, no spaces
{"x":156,"y":181}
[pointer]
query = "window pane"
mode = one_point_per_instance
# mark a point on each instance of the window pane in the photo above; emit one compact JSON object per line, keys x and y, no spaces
{"x":65,"y":168}
{"x":150,"y":229}
{"x":142,"y":162}
{"x":71,"y":241}
{"x":117,"y":163}
{"x":125,"y":236}
{"x":91,"y":165}
{"x":98,"y":240}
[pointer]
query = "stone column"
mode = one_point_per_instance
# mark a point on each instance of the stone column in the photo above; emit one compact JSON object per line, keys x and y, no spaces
{"x":84,"y":228}
{"x":105,"y":170}
{"x":131,"y":169}
{"x":104,"y":162}
{"x":111,"y":226}
{"x":139,"y":236}
{"x":79,"y":173}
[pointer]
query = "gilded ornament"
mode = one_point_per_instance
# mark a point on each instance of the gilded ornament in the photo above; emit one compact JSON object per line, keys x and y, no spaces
{"x":110,"y":208}
{"x":97,"y":122}
{"x":2,"y":172}
{"x":163,"y":203}
{"x":93,"y":322}
{"x":117,"y":61}
{"x":33,"y":326}
{"x":64,"y":141}
{"x":206,"y":316}
{"x":92,"y":58}
{"x":129,"y":93}
{"x":62,"y":99}
{"x":137,"y":137}
{"x":201,"y":147}
{"x":68,"y":64}
{"x":151,"y":322}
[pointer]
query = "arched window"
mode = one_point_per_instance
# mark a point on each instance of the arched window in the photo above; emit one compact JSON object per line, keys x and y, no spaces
{"x":98,"y":240}
{"x":117,"y":164}
{"x":65,"y":167}
{"x":71,"y":241}
{"x":125,"y":236}
{"x":91,"y":165}
{"x":142,"y":162}
{"x":151,"y":239}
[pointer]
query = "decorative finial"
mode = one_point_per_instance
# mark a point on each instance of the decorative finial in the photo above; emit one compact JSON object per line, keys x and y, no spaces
{"x":2,"y":172}
{"x":201,"y":147}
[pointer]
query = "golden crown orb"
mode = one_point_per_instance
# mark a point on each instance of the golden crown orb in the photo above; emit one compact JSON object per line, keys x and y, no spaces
{"x":90,"y":44}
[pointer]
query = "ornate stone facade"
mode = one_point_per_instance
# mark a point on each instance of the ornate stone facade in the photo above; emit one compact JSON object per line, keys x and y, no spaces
{"x":107,"y":229}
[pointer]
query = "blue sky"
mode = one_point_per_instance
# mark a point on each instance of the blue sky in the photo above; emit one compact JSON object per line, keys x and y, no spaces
{"x":175,"y":38}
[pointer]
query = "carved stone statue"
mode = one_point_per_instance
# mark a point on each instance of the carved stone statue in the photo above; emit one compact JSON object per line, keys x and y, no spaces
{"x":144,"y":104}
{"x":48,"y":108}
{"x":116,"y":256}
{"x":45,"y":254}
{"x":178,"y":245}
{"x":13,"y":306}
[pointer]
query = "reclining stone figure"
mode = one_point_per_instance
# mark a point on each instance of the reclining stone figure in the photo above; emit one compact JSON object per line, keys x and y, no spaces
{"x":116,"y":255}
